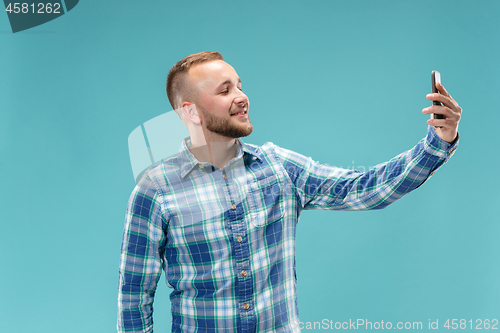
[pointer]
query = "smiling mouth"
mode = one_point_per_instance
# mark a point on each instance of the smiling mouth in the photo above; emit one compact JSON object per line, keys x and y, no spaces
{"x":240,"y":113}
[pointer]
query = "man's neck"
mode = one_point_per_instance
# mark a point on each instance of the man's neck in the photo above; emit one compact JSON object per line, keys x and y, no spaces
{"x":216,"y":153}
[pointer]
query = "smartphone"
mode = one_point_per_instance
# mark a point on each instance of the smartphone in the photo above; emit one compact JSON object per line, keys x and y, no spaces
{"x":436,"y":77}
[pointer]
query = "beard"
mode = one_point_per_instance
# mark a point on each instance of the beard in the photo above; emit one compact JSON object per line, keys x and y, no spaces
{"x":225,"y":127}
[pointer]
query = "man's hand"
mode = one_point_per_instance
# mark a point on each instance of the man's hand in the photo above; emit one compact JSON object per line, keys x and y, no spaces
{"x":447,"y":128}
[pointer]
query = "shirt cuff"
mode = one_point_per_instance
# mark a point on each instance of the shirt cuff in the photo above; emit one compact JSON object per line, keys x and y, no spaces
{"x":438,"y":147}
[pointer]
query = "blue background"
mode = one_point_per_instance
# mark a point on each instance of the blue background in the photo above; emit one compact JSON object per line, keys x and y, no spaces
{"x":341,"y":81}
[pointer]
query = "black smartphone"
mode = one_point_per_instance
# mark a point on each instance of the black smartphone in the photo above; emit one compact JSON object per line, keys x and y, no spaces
{"x":436,"y":77}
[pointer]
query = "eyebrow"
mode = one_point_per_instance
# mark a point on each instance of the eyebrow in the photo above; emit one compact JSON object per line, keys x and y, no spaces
{"x":227,"y":82}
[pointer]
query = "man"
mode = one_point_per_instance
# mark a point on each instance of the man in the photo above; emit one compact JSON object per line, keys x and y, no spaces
{"x":220,"y":217}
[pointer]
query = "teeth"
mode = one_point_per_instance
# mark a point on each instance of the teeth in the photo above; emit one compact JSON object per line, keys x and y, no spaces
{"x":243,"y":111}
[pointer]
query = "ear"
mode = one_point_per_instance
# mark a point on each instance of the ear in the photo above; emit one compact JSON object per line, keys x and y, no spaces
{"x":190,"y":112}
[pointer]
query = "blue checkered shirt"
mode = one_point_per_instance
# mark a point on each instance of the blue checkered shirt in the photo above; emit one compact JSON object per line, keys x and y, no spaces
{"x":226,"y":238}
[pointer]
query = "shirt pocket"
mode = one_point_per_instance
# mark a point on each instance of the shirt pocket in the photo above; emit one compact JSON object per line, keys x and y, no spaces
{"x":265,"y":201}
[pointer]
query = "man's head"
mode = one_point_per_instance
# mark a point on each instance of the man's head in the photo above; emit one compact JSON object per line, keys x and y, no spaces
{"x":207,"y":93}
{"x":178,"y":87}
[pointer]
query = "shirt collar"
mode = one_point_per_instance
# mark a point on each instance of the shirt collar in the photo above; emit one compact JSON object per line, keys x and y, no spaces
{"x":188,"y":162}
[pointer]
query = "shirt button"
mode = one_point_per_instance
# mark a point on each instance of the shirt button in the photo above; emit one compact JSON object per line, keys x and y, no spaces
{"x":451,"y":150}
{"x":239,"y":239}
{"x":246,"y":306}
{"x":233,"y":206}
{"x":200,"y":165}
{"x":224,"y":176}
{"x":244,"y":273}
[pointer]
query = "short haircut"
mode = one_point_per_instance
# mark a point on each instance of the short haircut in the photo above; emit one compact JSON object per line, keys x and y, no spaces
{"x":177,"y":85}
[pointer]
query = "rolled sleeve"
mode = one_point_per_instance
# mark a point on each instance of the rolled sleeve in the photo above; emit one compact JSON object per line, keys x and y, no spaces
{"x":434,"y":145}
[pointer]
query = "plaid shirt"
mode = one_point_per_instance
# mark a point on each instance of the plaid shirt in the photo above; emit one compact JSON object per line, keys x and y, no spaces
{"x":226,"y":238}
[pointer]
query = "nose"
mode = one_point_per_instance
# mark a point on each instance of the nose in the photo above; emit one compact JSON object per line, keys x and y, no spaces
{"x":241,"y":100}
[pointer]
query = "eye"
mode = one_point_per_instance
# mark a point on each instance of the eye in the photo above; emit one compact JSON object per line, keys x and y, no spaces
{"x":240,"y":88}
{"x":225,"y":91}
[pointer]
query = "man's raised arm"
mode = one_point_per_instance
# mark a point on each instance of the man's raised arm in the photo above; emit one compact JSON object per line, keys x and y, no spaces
{"x":322,"y":186}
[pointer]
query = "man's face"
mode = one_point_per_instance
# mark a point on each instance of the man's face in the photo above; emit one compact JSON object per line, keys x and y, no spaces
{"x":221,"y":104}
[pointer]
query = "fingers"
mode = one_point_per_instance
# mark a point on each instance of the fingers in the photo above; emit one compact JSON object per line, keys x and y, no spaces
{"x":445,"y":98}
{"x":439,"y":123}
{"x":442,"y":90}
{"x":444,"y":110}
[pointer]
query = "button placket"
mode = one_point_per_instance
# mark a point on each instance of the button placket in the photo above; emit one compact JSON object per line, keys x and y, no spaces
{"x":241,"y":250}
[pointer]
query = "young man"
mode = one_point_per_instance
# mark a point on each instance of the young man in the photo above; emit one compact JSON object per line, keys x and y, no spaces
{"x":220,"y":217}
